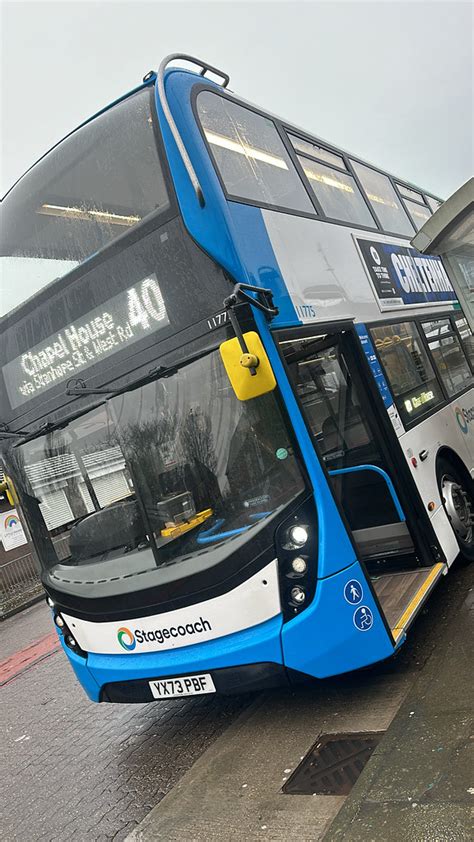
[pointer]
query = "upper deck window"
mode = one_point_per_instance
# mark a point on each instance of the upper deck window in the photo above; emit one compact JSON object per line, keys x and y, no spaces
{"x":100,"y":181}
{"x":249,"y":155}
{"x":408,"y":193}
{"x":315,"y":151}
{"x":415,"y":205}
{"x":418,"y":213}
{"x":337,"y":193}
{"x":384,"y":200}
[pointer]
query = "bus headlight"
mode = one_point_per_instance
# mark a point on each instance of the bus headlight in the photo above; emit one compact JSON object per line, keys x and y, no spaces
{"x":296,"y":546}
{"x":298,"y":535}
{"x":299,"y":565}
{"x":59,"y":621}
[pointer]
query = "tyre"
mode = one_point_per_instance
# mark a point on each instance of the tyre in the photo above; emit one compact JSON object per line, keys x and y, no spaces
{"x":456,"y":490}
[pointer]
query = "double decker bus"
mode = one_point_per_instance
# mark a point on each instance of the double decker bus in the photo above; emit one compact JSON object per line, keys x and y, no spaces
{"x":237,"y":404}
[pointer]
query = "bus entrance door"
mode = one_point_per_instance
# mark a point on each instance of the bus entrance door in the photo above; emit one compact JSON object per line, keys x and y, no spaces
{"x":336,"y":406}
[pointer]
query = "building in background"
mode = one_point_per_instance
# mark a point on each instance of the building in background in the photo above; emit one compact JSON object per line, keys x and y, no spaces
{"x":450,"y":233}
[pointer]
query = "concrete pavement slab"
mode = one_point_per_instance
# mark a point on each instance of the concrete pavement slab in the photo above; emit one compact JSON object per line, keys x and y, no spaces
{"x":75,"y":771}
{"x":394,"y":821}
{"x":418,"y":783}
{"x":233,"y":792}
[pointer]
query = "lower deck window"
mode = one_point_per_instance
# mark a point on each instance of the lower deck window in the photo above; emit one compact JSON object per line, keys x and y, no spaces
{"x":466,"y":337}
{"x":449,"y":356}
{"x":408,"y":369}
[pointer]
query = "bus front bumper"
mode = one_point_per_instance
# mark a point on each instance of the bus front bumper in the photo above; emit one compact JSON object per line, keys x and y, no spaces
{"x":240,"y":662}
{"x":333,"y":635}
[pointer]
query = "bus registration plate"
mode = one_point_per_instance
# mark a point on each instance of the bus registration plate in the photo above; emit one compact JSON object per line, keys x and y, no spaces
{"x":185,"y":685}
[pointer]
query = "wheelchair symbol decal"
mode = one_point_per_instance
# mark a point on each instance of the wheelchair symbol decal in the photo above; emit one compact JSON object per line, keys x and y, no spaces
{"x":363,"y":618}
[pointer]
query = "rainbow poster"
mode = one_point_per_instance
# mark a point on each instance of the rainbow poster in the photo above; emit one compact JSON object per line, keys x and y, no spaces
{"x":11,"y":531}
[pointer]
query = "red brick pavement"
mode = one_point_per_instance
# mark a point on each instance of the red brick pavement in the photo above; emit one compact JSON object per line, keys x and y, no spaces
{"x":26,"y":658}
{"x":74,"y":771}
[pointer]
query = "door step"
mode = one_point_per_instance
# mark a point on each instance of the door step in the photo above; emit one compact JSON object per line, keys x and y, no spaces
{"x":399,"y":563}
{"x":401,"y":595}
{"x":390,"y":539}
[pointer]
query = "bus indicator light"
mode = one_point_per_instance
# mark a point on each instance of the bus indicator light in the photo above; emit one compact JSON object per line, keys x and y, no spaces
{"x":298,"y":595}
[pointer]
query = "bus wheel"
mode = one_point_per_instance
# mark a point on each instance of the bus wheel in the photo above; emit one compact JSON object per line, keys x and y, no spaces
{"x":457,"y":498}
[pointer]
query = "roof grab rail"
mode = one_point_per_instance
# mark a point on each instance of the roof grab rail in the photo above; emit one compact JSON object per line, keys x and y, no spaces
{"x":169,"y":117}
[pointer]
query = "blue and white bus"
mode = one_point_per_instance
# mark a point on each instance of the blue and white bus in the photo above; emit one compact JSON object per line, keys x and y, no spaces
{"x":237,"y":405}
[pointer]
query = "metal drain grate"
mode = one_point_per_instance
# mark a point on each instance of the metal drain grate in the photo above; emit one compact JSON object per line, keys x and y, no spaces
{"x":333,"y":765}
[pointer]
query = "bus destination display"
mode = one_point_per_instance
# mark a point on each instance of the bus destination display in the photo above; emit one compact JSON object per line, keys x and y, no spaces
{"x":401,"y":276}
{"x":116,"y":324}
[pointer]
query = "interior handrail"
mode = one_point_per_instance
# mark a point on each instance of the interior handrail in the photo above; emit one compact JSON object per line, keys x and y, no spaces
{"x":381,"y":473}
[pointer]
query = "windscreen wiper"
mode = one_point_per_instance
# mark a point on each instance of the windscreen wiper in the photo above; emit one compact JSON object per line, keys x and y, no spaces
{"x":6,"y":433}
{"x":48,"y":426}
{"x":78,"y":387}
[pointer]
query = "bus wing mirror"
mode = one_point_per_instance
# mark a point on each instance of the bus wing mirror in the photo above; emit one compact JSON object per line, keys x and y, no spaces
{"x":250,"y":374}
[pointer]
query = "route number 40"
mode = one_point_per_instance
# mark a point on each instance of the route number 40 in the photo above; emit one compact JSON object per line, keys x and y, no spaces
{"x":145,"y":302}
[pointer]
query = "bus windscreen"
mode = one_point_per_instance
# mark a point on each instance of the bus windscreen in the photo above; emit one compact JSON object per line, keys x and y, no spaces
{"x":162,"y":472}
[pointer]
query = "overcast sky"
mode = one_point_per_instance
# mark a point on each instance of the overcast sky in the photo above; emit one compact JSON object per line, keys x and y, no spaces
{"x":389,"y":81}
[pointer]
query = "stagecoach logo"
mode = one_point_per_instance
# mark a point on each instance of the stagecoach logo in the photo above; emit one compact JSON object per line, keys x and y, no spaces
{"x":464,"y":417}
{"x":129,"y":639}
{"x":126,"y":638}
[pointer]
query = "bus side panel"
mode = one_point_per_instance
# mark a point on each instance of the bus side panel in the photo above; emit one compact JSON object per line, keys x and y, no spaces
{"x":258,"y":644}
{"x":334,"y":634}
{"x":209,"y":225}
{"x":321,"y":267}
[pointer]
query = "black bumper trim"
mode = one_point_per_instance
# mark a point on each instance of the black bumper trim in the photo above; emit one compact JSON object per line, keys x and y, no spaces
{"x":245,"y":678}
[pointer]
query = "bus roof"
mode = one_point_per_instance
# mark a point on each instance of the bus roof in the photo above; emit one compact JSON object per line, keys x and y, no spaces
{"x":150,"y":79}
